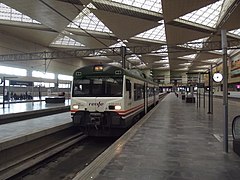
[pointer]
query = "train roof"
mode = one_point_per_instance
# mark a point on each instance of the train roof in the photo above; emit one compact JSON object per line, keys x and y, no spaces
{"x":111,"y":70}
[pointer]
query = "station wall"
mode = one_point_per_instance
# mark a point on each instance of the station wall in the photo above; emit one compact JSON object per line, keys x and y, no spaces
{"x":14,"y":45}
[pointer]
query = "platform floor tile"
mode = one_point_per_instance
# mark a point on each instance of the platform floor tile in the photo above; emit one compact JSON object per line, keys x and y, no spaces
{"x":176,"y":143}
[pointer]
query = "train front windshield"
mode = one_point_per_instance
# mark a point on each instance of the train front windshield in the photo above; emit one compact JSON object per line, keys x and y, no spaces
{"x":95,"y":86}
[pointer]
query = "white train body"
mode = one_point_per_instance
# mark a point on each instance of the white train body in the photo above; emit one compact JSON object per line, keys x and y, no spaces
{"x":123,"y":97}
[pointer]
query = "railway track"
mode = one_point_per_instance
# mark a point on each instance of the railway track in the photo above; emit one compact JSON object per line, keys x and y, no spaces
{"x":21,"y":157}
{"x":57,"y":156}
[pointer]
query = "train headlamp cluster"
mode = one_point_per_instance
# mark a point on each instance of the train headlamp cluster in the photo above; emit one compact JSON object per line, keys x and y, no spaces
{"x":98,"y":68}
{"x":75,"y":106}
{"x":115,"y":107}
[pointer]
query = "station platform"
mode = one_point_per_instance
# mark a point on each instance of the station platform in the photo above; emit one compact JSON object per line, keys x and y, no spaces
{"x":175,"y":141}
{"x":13,"y":134}
{"x":14,"y":130}
{"x":16,"y":111}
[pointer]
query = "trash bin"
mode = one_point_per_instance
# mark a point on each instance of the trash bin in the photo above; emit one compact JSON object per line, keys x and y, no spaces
{"x":190,"y":99}
{"x":183,"y":96}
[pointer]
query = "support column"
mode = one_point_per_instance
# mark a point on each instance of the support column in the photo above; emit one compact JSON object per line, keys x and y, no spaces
{"x":225,"y":90}
{"x":167,"y":78}
{"x":210,"y":92}
{"x":4,"y":86}
{"x":123,"y":55}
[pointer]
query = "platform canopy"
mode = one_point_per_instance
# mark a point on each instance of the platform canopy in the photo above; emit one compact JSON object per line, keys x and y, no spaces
{"x":187,"y":31}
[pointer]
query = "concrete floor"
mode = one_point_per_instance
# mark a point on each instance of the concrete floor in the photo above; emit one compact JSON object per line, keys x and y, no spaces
{"x":178,"y":142}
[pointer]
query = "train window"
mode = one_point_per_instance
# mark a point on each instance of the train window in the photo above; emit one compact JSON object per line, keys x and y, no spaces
{"x":97,"y":81}
{"x":128,"y":88}
{"x":81,"y":87}
{"x":98,"y":86}
{"x":138,"y":91}
{"x":95,"y":86}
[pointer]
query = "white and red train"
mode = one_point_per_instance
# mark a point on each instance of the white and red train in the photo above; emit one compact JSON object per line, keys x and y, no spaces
{"x":107,"y":100}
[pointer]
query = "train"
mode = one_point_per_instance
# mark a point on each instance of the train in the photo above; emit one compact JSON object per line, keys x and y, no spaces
{"x":107,"y":100}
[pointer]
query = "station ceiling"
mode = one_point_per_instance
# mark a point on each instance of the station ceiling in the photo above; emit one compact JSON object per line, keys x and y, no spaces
{"x":188,"y":32}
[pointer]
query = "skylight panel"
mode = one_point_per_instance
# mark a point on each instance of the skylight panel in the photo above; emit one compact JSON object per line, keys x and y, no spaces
{"x":142,"y":66}
{"x":98,"y":53}
{"x":207,"y":15}
{"x":161,"y":61}
{"x":203,"y":67}
{"x":88,"y":21}
{"x":163,"y":68}
{"x":134,"y":58}
{"x":157,"y":33}
{"x":191,"y":56}
{"x":162,"y":52}
{"x":182,"y":69}
{"x":212,"y":60}
{"x":66,"y":41}
{"x":236,"y":32}
{"x":119,"y":44}
{"x":196,"y":44}
{"x":115,"y":64}
{"x":152,"y":5}
{"x":185,"y":64}
{"x":198,"y":70}
{"x":8,"y":13}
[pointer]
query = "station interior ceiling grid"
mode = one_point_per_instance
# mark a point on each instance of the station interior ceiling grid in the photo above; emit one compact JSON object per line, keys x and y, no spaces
{"x":176,"y":26}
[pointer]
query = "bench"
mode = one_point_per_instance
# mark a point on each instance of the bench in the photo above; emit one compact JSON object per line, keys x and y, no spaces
{"x":55,"y":99}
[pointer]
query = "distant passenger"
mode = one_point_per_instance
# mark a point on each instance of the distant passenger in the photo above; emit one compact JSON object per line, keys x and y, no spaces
{"x":39,"y":95}
{"x":15,"y":96}
{"x":21,"y":96}
{"x":11,"y":96}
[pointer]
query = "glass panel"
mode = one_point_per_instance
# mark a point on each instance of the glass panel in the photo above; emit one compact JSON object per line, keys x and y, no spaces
{"x":63,"y":85}
{"x":196,"y":44}
{"x":207,"y":15}
{"x":236,"y":32}
{"x":13,"y":71}
{"x":66,"y":41}
{"x":8,"y":13}
{"x":157,"y":33}
{"x":88,"y":21}
{"x":152,"y":5}
{"x":43,"y":75}
{"x":65,"y":77}
{"x":191,"y":56}
{"x":6,"y":83}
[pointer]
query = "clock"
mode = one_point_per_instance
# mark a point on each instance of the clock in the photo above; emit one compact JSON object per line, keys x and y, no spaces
{"x":217,"y":77}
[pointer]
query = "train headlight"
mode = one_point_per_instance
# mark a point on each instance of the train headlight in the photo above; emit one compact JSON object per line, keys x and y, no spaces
{"x":75,"y":106}
{"x":117,"y":107}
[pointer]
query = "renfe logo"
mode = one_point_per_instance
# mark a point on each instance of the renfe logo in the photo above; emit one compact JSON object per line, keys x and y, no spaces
{"x":98,"y":104}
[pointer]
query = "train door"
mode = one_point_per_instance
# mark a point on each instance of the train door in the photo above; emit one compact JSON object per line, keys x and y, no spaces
{"x":128,"y":96}
{"x":145,"y":97}
{"x":154,"y":95}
